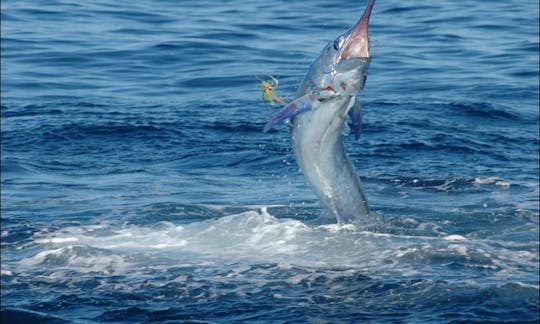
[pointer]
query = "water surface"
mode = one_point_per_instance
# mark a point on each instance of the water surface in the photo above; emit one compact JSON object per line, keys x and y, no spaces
{"x":137,"y":185}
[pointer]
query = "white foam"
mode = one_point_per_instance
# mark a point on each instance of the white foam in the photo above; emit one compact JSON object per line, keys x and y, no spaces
{"x":40,"y":257}
{"x":492,"y":180}
{"x":454,"y":238}
{"x":460,"y":249}
{"x":409,"y":220}
{"x":180,"y":243}
{"x":58,"y":240}
{"x":6,"y":273}
{"x":81,"y":259}
{"x":258,"y":238}
{"x":337,"y":228}
{"x":503,"y":184}
{"x":402,"y":252}
{"x":482,"y":181}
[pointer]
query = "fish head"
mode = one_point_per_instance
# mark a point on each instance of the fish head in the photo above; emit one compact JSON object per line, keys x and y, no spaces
{"x":340,"y":72}
{"x":341,"y":69}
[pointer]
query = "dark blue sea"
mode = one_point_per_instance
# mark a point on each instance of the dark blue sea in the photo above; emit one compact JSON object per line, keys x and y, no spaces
{"x":138,"y":186}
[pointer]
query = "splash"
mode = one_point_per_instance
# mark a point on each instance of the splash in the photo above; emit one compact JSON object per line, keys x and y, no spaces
{"x":257,"y":237}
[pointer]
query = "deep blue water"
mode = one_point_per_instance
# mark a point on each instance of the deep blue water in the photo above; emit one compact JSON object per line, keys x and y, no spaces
{"x":138,"y":186}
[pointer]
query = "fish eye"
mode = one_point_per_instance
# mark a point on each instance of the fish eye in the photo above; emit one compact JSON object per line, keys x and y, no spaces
{"x":339,"y":42}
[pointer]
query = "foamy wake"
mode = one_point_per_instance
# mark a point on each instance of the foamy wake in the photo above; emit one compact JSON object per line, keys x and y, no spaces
{"x":256,"y":237}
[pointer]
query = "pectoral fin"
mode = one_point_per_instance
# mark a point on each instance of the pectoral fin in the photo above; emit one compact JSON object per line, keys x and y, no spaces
{"x":294,"y":108}
{"x":355,"y":115}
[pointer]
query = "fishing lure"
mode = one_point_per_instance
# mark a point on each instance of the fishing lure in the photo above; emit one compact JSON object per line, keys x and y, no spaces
{"x":269,"y":88}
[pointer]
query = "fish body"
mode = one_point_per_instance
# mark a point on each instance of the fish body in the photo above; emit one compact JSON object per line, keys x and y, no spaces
{"x":325,"y":100}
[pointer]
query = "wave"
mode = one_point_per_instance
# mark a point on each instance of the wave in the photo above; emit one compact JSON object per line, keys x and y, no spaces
{"x":255,"y":237}
{"x":252,"y":254}
{"x":17,"y":315}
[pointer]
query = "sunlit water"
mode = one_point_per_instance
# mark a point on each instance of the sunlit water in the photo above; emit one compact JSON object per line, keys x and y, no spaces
{"x":137,"y":185}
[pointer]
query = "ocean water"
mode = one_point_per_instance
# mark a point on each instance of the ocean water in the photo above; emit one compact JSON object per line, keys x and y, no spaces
{"x":138,"y":186}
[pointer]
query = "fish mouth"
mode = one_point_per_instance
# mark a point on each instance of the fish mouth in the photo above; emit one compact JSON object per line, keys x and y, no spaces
{"x":326,"y":93}
{"x":356,"y":44}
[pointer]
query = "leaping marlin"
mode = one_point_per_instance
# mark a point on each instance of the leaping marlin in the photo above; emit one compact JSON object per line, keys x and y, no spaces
{"x":325,"y":99}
